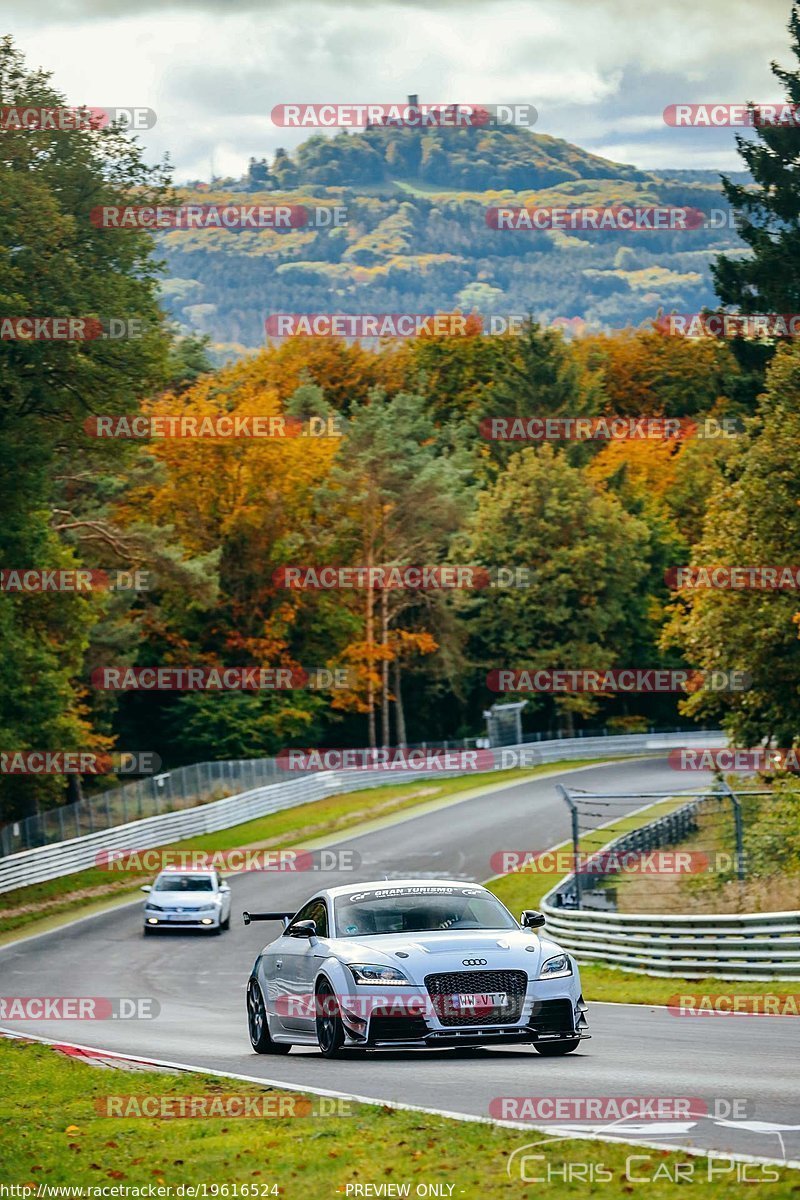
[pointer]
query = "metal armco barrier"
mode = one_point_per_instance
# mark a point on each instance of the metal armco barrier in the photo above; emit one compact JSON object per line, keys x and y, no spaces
{"x":65,"y":858}
{"x":726,"y":946}
{"x":735,"y":947}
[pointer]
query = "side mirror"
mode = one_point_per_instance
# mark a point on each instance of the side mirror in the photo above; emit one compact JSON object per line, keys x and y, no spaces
{"x":146,"y":888}
{"x":531,"y":919}
{"x":304,"y":929}
{"x":224,"y":887}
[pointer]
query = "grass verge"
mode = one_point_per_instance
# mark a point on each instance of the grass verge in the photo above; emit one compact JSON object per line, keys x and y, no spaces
{"x":52,"y":1134}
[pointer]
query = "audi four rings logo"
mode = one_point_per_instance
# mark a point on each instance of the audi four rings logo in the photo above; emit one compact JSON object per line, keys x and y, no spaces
{"x":473,"y":962}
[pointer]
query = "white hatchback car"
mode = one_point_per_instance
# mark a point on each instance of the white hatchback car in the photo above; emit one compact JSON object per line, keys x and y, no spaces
{"x":187,"y":900}
{"x":412,"y":962}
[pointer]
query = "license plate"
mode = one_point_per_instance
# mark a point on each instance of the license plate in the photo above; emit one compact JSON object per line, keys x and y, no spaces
{"x":480,"y":1000}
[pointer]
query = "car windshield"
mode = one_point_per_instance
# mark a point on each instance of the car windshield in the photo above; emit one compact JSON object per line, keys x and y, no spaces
{"x":418,"y":910}
{"x":184,"y":883}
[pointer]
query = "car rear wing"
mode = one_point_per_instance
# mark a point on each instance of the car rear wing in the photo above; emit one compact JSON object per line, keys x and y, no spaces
{"x":286,"y":917}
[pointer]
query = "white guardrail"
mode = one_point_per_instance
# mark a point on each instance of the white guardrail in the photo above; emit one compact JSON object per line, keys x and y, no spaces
{"x":730,"y":946}
{"x":734,"y":947}
{"x":76,"y":854}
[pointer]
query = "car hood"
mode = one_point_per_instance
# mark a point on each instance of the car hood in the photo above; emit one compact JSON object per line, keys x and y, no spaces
{"x":182,"y":899}
{"x":444,"y":951}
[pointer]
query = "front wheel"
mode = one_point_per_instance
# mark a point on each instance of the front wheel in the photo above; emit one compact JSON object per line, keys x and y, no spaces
{"x":257,"y":1024}
{"x":554,"y":1049}
{"x":330,"y":1031}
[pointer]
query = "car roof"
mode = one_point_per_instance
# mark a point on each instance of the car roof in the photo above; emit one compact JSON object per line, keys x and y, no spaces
{"x":202,"y":872}
{"x":384,"y":884}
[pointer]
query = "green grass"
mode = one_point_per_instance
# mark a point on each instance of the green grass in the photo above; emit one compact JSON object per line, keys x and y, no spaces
{"x":51,"y":1134}
{"x":607,"y":983}
{"x":85,"y":890}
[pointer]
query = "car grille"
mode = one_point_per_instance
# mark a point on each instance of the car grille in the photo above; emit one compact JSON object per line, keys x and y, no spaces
{"x":441,"y":989}
{"x":553,"y":1016}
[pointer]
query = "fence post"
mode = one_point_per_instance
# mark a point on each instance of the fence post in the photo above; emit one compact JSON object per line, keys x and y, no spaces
{"x":573,"y":808}
{"x":737,"y":822}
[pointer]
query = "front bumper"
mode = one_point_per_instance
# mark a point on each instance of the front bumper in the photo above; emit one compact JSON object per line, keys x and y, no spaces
{"x":182,"y":920}
{"x":548,"y":1014}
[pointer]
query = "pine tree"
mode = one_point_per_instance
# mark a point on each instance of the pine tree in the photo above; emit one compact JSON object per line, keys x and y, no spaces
{"x":769,"y":213}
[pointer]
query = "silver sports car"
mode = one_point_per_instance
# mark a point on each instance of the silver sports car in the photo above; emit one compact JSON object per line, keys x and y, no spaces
{"x":415,"y":963}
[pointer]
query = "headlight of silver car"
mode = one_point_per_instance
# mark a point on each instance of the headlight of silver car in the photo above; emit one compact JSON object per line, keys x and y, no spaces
{"x":152,"y":907}
{"x":556,"y":968}
{"x":369,"y":973}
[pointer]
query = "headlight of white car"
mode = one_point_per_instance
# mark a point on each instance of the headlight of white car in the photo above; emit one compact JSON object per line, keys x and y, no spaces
{"x":369,"y":973}
{"x":556,"y":968}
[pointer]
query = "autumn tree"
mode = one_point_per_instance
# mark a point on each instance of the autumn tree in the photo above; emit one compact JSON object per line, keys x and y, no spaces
{"x":55,"y":262}
{"x":586,"y":558}
{"x":395,"y":500}
{"x":753,"y":519}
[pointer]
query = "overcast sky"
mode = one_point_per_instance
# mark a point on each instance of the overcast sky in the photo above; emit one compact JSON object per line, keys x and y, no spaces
{"x":600,"y":72}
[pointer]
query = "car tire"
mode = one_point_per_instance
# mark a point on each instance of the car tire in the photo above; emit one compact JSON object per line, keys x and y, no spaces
{"x":555,"y":1049}
{"x":330,"y":1030}
{"x":257,"y":1024}
{"x":226,"y":924}
{"x":148,"y":931}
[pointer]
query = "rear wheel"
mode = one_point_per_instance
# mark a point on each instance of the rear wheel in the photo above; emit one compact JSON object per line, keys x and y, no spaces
{"x":330,"y":1030}
{"x":257,"y":1025}
{"x":554,"y":1049}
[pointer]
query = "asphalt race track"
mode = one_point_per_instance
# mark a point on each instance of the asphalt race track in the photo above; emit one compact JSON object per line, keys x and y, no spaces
{"x":635,"y":1050}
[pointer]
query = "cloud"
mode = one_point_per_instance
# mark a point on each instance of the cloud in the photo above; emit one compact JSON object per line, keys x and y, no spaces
{"x":600,"y":72}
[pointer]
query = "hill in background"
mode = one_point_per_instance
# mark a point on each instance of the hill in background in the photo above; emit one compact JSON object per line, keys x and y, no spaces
{"x":417,"y":240}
